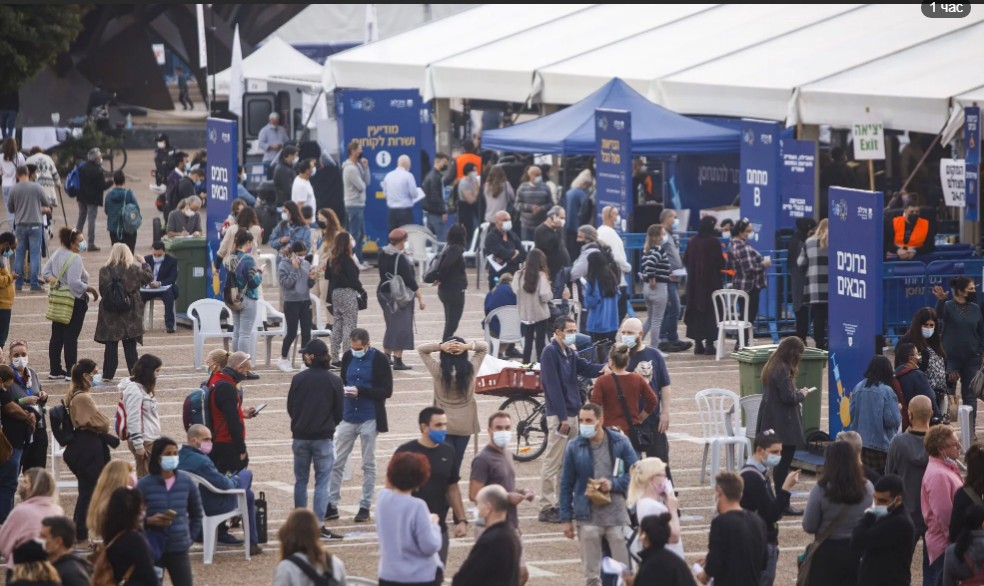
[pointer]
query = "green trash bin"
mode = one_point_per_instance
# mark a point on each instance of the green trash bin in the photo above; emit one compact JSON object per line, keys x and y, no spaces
{"x":751,"y":361}
{"x":192,"y":257}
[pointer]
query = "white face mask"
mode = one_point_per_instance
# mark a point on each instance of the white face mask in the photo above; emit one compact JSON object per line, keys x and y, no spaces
{"x":161,"y":145}
{"x":285,"y":216}
{"x":507,"y":226}
{"x":190,"y":213}
{"x":562,"y":222}
{"x":501,"y":438}
{"x":20,"y":363}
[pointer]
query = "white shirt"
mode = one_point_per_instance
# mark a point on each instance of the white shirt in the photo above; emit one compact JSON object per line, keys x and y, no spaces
{"x":610,"y":238}
{"x":644,"y":508}
{"x":400,"y":188}
{"x":302,"y":193}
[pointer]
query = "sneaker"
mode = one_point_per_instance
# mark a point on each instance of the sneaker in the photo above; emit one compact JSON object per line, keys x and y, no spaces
{"x":252,"y":376}
{"x":362,"y":516}
{"x":328,"y":534}
{"x":336,"y":365}
{"x":331,"y":514}
{"x":227,"y":538}
{"x":365,"y":266}
{"x":551,"y":515}
{"x":255,"y":549}
{"x":68,"y":379}
{"x":56,"y":375}
{"x":284,"y":365}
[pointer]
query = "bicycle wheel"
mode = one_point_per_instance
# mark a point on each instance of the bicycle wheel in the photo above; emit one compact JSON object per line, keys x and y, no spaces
{"x":530,"y":426}
{"x":114,"y":159}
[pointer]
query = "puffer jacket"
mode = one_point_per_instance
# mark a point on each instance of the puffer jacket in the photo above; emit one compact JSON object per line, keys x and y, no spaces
{"x":579,"y":467}
{"x":183,"y":498}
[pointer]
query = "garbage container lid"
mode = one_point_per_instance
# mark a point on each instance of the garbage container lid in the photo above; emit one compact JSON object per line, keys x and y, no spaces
{"x":755,"y":354}
{"x":815,"y":354}
{"x":187,"y":242}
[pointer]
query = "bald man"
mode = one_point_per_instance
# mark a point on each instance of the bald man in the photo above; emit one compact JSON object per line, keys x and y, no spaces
{"x":505,"y":248}
{"x":400,"y":188}
{"x":907,"y":458}
{"x":495,"y":557}
{"x":649,"y":362}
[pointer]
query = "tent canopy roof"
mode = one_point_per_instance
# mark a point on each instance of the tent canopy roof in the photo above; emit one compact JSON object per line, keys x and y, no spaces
{"x":655,"y":130}
{"x":274,"y":61}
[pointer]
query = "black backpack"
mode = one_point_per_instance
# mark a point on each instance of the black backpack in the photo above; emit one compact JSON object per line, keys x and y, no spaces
{"x":116,"y":300}
{"x":61,"y":424}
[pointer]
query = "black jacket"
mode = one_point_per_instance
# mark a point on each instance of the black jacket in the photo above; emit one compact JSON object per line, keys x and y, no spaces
{"x":315,"y":403}
{"x":494,"y":559}
{"x":886,"y":544}
{"x":381,"y":389}
{"x":433,"y":187}
{"x":329,"y":192}
{"x":178,"y":187}
{"x":451,"y":270}
{"x":663,"y":567}
{"x":92,"y":184}
{"x":73,"y":570}
{"x":759,"y":497}
{"x":283,"y":182}
{"x":346,"y":278}
{"x":915,"y":382}
{"x":962,"y":501}
{"x":168,"y":273}
{"x":551,"y":242}
{"x":503,"y":250}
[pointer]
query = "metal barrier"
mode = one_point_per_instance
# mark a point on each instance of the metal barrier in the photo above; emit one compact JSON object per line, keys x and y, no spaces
{"x":908,"y":286}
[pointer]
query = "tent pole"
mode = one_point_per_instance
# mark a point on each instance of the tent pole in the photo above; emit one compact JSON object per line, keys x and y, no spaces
{"x":871,"y":174}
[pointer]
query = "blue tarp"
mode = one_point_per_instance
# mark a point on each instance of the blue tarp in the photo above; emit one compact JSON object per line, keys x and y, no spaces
{"x":655,"y":130}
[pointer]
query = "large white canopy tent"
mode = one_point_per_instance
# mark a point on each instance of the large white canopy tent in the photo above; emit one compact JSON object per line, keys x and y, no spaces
{"x":275,"y":60}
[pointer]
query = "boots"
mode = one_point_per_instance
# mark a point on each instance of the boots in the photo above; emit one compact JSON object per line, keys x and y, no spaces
{"x":398,"y":364}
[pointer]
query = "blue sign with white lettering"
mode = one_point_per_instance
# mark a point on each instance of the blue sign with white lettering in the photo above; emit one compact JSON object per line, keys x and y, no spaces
{"x":855,"y":293}
{"x":972,"y":191}
{"x":387,"y":123}
{"x":760,"y":181}
{"x":972,"y":134}
{"x":797,"y":181}
{"x":221,"y":185}
{"x":613,"y":161}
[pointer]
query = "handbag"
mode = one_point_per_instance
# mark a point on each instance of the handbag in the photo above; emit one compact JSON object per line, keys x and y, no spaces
{"x":805,"y":559}
{"x":363,"y":300}
{"x":61,"y":300}
{"x":641,"y":438}
{"x":977,"y":383}
{"x":595,"y":494}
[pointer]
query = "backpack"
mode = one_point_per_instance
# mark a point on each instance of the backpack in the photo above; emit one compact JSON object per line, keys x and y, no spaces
{"x":130,"y":218}
{"x":326,"y":579}
{"x":117,"y":300}
{"x":195,"y":410}
{"x":232,"y":291}
{"x":61,"y":424}
{"x":432,"y":268}
{"x":102,"y":571}
{"x":120,"y":424}
{"x":73,"y":183}
{"x":399,"y":294}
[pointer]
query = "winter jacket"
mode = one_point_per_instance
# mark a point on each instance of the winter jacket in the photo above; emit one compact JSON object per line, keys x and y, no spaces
{"x":886,"y":546}
{"x":114,"y":326}
{"x":875,"y":414}
{"x":559,"y":369}
{"x":115,"y":200}
{"x":143,"y":423}
{"x":379,"y":392}
{"x":6,"y":284}
{"x":226,"y":408}
{"x":24,"y":523}
{"x":780,"y":409}
{"x":315,"y":402}
{"x":192,"y":460}
{"x":579,"y":467}
{"x":602,"y":311}
{"x":92,"y":184}
{"x":73,"y":570}
{"x":183,"y":498}
{"x":915,"y":382}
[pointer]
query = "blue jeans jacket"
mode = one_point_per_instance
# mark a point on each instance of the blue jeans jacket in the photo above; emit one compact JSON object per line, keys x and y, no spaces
{"x":579,"y":467}
{"x":875,"y":415}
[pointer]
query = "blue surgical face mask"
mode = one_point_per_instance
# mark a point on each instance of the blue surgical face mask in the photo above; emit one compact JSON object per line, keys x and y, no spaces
{"x":772,"y":460}
{"x":437,"y":435}
{"x":501,"y":438}
{"x":569,"y":339}
{"x":97,"y":379}
{"x":879,"y":511}
{"x":629,"y":341}
{"x":676,"y":223}
{"x":8,"y":253}
{"x":359,"y":353}
{"x":83,"y":246}
{"x":169,"y":462}
{"x":587,"y":431}
{"x":928,"y":332}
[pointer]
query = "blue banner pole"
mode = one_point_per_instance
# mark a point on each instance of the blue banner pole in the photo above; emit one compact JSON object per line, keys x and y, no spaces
{"x":221,"y":185}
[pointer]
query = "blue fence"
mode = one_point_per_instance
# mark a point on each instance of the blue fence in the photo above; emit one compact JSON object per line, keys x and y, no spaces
{"x":908,"y":286}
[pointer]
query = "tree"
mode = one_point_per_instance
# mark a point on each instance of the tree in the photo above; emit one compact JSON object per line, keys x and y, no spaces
{"x":32,"y":36}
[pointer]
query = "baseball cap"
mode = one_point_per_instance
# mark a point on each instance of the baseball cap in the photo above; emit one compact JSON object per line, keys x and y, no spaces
{"x":315,"y":347}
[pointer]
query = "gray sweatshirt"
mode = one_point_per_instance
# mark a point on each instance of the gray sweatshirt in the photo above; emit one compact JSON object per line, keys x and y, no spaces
{"x":355,"y":177}
{"x":821,"y":512}
{"x":75,"y":276}
{"x":26,"y":199}
{"x":672,"y":253}
{"x":294,"y":282}
{"x":907,"y":458}
{"x":288,"y":574}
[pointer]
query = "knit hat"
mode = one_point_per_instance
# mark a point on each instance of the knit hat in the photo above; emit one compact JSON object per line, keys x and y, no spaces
{"x":30,"y":551}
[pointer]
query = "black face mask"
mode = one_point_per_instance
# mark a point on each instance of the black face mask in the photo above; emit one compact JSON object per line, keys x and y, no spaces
{"x":971,"y":296}
{"x":321,"y":224}
{"x":913,"y":218}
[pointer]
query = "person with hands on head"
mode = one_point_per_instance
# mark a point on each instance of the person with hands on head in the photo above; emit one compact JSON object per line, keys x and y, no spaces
{"x":603,"y":457}
{"x":143,"y":424}
{"x":18,"y":424}
{"x":962,"y":328}
{"x":65,"y":269}
{"x":884,"y":535}
{"x":505,"y":248}
{"x":736,"y":550}
{"x":651,"y":493}
{"x":228,"y":415}
{"x":759,"y":496}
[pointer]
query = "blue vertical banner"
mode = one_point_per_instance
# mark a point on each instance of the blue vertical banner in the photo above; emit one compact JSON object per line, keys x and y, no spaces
{"x":972,"y":156}
{"x":387,"y":123}
{"x":613,"y":162}
{"x":223,"y":175}
{"x":797,"y":181}
{"x":855,"y":293}
{"x":759,"y":179}
{"x":972,"y":192}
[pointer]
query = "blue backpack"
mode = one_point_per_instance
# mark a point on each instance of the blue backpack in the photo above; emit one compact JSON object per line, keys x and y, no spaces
{"x":73,"y":183}
{"x":195,"y":409}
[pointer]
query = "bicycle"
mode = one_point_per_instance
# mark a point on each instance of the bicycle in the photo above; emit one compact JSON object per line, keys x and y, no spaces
{"x":114,"y":157}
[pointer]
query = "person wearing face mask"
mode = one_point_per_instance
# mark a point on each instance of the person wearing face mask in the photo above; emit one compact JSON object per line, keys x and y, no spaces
{"x":92,"y":185}
{"x":398,"y":334}
{"x":88,"y":452}
{"x":469,"y":187}
{"x":574,"y":200}
{"x":652,"y":494}
{"x":242,"y":267}
{"x":533,"y":199}
{"x":174,"y":512}
{"x":649,"y":362}
{"x":704,"y":262}
{"x":125,"y":323}
{"x":8,"y":243}
{"x":736,"y":551}
{"x":64,"y":269}
{"x":434,"y":205}
{"x":164,"y":268}
{"x":400,"y":188}
{"x":302,"y":193}
{"x":910,"y":235}
{"x":749,"y":267}
{"x":58,"y":535}
{"x":940,"y":482}
{"x":912,"y":381}
{"x":242,"y":192}
{"x":440,"y":491}
{"x":533,"y":295}
{"x":505,"y":248}
{"x":18,"y":425}
{"x":284,"y":174}
{"x":625,"y":396}
{"x":659,"y":565}
{"x":291,"y":228}
{"x":193,"y":458}
{"x":671,"y":317}
{"x":605,"y":457}
{"x":26,"y":391}
{"x":924,"y":334}
{"x":560,"y":367}
{"x":163,"y":158}
{"x":116,"y":201}
{"x":759,"y":495}
{"x":493,"y":466}
{"x":654,"y":271}
{"x":368,"y":383}
{"x":228,"y":416}
{"x":884,"y":536}
{"x":143,"y":423}
{"x":185,"y":221}
{"x":962,"y":328}
{"x":179,"y":185}
{"x":495,"y":557}
{"x":549,"y":238}
{"x":609,"y":236}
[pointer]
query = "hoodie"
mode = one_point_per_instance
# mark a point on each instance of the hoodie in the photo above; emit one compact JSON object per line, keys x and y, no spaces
{"x":915,"y":382}
{"x":73,"y":570}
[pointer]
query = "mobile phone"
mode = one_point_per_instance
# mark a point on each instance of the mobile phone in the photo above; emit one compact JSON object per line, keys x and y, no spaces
{"x":260,"y":408}
{"x":170,"y":513}
{"x":811,"y":389}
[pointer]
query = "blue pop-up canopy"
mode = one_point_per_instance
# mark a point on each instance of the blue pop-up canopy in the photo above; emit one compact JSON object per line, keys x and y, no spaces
{"x":655,"y":130}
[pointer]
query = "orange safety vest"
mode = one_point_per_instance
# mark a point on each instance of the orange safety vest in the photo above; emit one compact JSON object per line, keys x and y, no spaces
{"x":465,"y":158}
{"x":919,"y":233}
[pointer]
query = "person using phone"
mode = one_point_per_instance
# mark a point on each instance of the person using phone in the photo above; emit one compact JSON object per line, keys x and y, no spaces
{"x":651,"y":493}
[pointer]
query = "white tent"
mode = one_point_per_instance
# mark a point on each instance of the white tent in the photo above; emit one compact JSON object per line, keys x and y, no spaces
{"x":323,"y":23}
{"x":909,"y":90}
{"x":274,"y":61}
{"x":974,"y":96}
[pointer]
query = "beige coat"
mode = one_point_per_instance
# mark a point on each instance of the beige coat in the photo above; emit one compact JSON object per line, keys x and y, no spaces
{"x":228,"y":244}
{"x":461,"y":408}
{"x":532,"y":307}
{"x":84,"y":412}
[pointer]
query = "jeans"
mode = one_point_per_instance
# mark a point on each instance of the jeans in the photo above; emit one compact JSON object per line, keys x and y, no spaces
{"x":400,"y":217}
{"x":28,"y":241}
{"x":933,"y":575}
{"x":8,"y":124}
{"x":345,"y":435}
{"x":168,"y":298}
{"x":535,"y":332}
{"x":178,"y":567}
{"x":244,"y":327}
{"x":357,"y":227}
{"x":656,"y":298}
{"x":89,"y":211}
{"x":590,"y":536}
{"x":967,"y":368}
{"x":671,"y":317}
{"x":436,"y":224}
{"x":454,"y":306}
{"x":460,"y":445}
{"x":769,"y":573}
{"x":129,"y":239}
{"x":553,"y":459}
{"x":111,"y":357}
{"x":9,"y":473}
{"x":66,"y":337}
{"x":321,"y":454}
{"x":294,"y":312}
{"x":4,"y":326}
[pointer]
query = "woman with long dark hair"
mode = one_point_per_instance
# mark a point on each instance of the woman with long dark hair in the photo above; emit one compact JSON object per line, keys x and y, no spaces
{"x":127,"y":551}
{"x":924,"y":334}
{"x":344,"y":292}
{"x":329,"y":226}
{"x":704,"y":262}
{"x":836,"y":503}
{"x":533,"y":295}
{"x":601,"y":299}
{"x":168,"y":491}
{"x":247,"y":220}
{"x":963,"y":336}
{"x":301,"y":550}
{"x":241,"y":266}
{"x":454,"y":387}
{"x":143,"y":424}
{"x":9,"y":161}
{"x":875,"y":412}
{"x":498,"y":193}
{"x":971,"y":493}
{"x":912,"y":381}
{"x":65,"y":270}
{"x":780,"y":408}
{"x":291,"y":228}
{"x":452,"y":280}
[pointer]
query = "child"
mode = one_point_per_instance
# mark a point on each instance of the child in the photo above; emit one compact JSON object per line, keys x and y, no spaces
{"x":296,"y":279}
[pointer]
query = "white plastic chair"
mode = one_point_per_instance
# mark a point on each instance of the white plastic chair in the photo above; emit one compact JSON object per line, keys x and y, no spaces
{"x":266,"y":313}
{"x":477,"y":236}
{"x":210,"y":523}
{"x":149,"y":311}
{"x":206,"y":322}
{"x":729,"y":317}
{"x":750,"y":409}
{"x":715,"y":407}
{"x":57,"y":457}
{"x":477,"y":252}
{"x":509,"y":327}
{"x":966,"y":431}
{"x":270,"y":260}
{"x":321,"y":326}
{"x":419,"y":238}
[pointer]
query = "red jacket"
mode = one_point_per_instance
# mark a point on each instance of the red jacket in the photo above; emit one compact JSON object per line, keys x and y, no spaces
{"x":225,"y":397}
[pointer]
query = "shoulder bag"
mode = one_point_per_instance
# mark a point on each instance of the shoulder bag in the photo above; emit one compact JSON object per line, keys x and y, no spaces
{"x":641,"y":437}
{"x":326,"y":579}
{"x":61,"y":300}
{"x":805,"y":559}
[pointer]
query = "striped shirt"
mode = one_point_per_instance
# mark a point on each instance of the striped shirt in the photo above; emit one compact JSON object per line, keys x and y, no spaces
{"x":655,"y":265}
